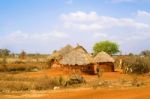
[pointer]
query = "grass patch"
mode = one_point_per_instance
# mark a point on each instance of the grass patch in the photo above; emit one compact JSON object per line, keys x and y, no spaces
{"x":10,"y":82}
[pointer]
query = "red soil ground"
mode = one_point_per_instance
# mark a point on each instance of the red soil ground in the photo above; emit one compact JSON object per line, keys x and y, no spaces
{"x":81,"y":93}
{"x":135,"y":93}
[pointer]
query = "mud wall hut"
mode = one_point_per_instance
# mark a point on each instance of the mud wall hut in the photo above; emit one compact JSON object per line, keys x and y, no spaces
{"x":104,"y":62}
{"x":78,"y":59}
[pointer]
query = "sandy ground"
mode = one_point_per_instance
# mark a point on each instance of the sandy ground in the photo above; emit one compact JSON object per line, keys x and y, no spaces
{"x":84,"y":93}
{"x":134,"y":93}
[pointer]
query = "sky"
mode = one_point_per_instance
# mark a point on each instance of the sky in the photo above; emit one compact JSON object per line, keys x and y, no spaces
{"x":42,"y":26}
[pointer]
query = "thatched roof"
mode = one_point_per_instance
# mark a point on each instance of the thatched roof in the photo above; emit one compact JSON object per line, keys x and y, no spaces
{"x":59,"y":54}
{"x":103,"y":57}
{"x":65,"y":50}
{"x":78,"y":56}
{"x":55,"y":55}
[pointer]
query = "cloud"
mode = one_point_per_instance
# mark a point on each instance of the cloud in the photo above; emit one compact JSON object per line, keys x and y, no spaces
{"x":126,"y":31}
{"x":93,"y":22}
{"x":33,"y":42}
{"x":143,"y":13}
{"x":85,"y":28}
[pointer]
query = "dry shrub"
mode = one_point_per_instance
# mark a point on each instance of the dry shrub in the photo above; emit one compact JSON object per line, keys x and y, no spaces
{"x":8,"y":86}
{"x":10,"y":83}
{"x":136,"y":65}
{"x":136,"y":82}
{"x":27,"y":67}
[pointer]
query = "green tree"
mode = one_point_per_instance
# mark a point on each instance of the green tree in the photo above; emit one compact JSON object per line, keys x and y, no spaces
{"x":107,"y":46}
{"x":4,"y":52}
{"x":145,"y":53}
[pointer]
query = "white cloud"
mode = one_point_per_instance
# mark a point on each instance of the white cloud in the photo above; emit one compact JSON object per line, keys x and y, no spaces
{"x":86,"y":29}
{"x":35,"y":42}
{"x":126,"y":31}
{"x":94,"y":22}
{"x":97,"y":35}
{"x":80,"y":16}
{"x":143,"y":13}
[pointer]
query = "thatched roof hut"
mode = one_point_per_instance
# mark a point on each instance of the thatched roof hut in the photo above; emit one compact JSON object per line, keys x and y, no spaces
{"x":104,"y":62}
{"x":102,"y":57}
{"x":78,"y":56}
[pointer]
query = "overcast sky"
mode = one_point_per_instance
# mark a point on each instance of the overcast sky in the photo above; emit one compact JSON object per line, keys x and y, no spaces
{"x":41,"y":26}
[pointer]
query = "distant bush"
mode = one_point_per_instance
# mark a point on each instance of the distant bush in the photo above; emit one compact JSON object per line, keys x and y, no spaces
{"x":75,"y":79}
{"x":136,"y":65}
{"x":145,"y":53}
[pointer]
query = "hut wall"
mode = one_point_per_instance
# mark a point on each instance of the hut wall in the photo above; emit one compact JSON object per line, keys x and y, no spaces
{"x":55,"y":64}
{"x":82,"y":68}
{"x":106,"y":67}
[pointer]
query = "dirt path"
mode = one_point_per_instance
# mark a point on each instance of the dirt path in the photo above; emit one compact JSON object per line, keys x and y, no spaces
{"x":134,"y":93}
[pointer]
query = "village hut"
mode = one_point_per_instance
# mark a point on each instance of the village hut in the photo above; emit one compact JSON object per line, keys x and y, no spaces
{"x":104,"y":62}
{"x":57,"y":55}
{"x":78,"y":59}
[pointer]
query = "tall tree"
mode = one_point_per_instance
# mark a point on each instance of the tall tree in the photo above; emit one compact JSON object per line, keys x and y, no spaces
{"x":107,"y":46}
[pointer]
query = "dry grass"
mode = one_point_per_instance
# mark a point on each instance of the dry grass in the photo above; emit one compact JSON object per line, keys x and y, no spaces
{"x":22,"y":66}
{"x":133,"y":64}
{"x":10,"y":82}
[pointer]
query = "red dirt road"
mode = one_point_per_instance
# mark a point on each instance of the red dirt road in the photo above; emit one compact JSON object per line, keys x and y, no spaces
{"x":134,"y":93}
{"x":137,"y":93}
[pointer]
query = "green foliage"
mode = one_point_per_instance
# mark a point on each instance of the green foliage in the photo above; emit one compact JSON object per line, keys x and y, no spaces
{"x":107,"y":46}
{"x":4,"y":52}
{"x":145,"y":53}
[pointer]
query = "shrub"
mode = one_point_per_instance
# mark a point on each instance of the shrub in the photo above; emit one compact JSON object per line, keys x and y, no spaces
{"x":75,"y":79}
{"x":135,"y":65}
{"x":135,"y":82}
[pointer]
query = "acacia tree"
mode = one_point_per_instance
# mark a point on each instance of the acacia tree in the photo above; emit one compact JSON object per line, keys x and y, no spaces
{"x":106,"y":46}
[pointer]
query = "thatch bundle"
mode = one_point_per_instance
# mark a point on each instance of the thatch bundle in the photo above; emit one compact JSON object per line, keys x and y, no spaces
{"x":103,"y":57}
{"x":78,"y":56}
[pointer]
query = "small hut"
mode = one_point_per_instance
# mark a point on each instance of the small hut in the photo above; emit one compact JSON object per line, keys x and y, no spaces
{"x":57,"y":55}
{"x":78,"y":59}
{"x":104,"y":62}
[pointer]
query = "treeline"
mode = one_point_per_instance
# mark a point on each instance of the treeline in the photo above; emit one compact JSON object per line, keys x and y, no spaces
{"x":23,"y":54}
